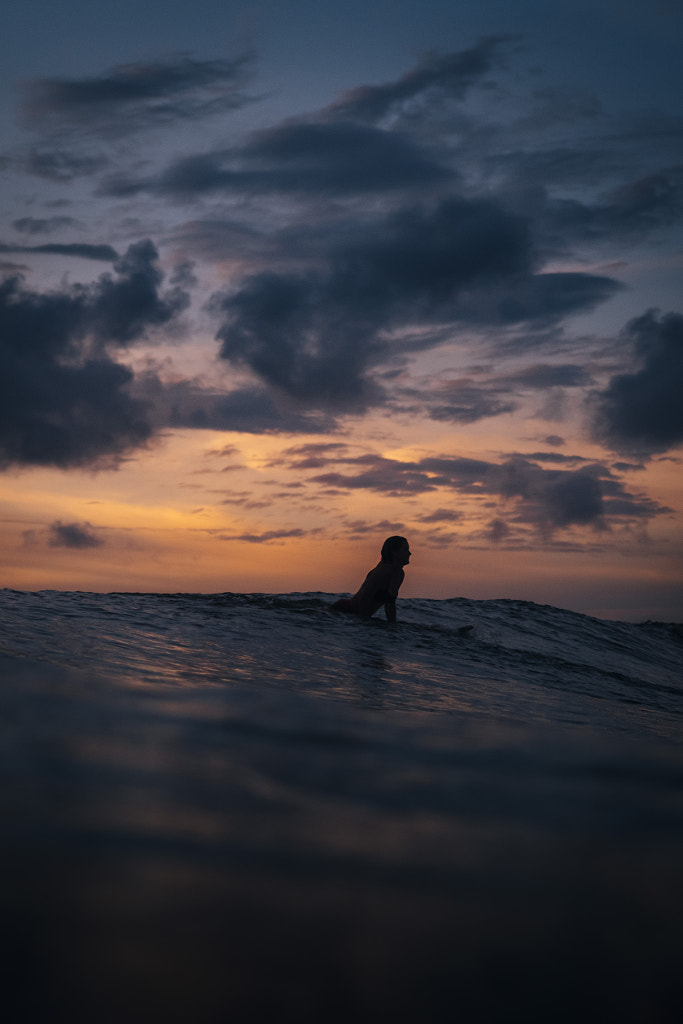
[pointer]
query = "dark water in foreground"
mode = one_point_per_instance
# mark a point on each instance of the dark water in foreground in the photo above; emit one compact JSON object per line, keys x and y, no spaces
{"x":225,"y":807}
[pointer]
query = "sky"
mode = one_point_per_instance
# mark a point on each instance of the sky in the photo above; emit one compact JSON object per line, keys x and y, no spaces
{"x":281,"y":279}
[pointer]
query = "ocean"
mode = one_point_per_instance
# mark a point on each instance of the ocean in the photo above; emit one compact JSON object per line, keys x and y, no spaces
{"x":225,"y":807}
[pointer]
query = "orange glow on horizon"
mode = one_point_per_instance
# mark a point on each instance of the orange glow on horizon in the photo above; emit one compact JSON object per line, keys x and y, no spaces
{"x":213,"y":512}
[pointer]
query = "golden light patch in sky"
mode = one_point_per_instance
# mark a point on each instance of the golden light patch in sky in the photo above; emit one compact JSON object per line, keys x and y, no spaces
{"x":210,"y":512}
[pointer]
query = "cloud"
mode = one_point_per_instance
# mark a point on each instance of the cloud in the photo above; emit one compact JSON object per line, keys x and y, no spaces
{"x":73,"y":535}
{"x":528,"y":145}
{"x":544,"y":298}
{"x":342,"y":157}
{"x":341,"y":150}
{"x":386,"y":223}
{"x":317,"y":335}
{"x":548,"y":499}
{"x":649,"y":201}
{"x":466,"y":400}
{"x":463,"y":402}
{"x":497,"y":530}
{"x":416,"y":131}
{"x":190,"y":404}
{"x":553,"y":498}
{"x":314,"y":335}
{"x":548,"y":375}
{"x":641,"y":412}
{"x":42,"y":225}
{"x":298,"y":338}
{"x":80,"y":250}
{"x":441,"y":515}
{"x":61,"y":165}
{"x":360,"y":528}
{"x":397,"y":479}
{"x":448,"y":75}
{"x":64,"y":401}
{"x":556,"y":458}
{"x":314,"y":455}
{"x":306,"y":159}
{"x":123,"y":309}
{"x":633,"y":209}
{"x":218,"y":239}
{"x":131,"y":97}
{"x":267,"y":537}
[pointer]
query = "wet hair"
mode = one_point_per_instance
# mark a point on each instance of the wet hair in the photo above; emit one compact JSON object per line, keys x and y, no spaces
{"x":390,"y":545}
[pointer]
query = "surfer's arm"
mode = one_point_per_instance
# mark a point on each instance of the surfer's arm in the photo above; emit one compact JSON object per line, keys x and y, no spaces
{"x":390,"y":611}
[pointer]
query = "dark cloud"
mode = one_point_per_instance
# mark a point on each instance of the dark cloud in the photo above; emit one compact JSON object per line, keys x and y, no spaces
{"x":42,"y":225}
{"x":358,"y":528}
{"x":267,"y":537}
{"x":218,"y":239}
{"x":419,"y":259}
{"x":553,"y":498}
{"x":497,"y":530}
{"x":307,"y":159}
{"x":649,"y":202}
{"x":63,"y":400}
{"x":342,"y":157}
{"x":61,"y":165}
{"x":223,"y":452}
{"x":131,"y":97}
{"x":370,"y":256}
{"x":104,"y":253}
{"x":189,"y":404}
{"x":297,"y":338}
{"x":124,"y":308}
{"x":543,"y":298}
{"x":441,"y":515}
{"x":555,"y":457}
{"x":548,"y":375}
{"x":548,"y":499}
{"x":314,"y":335}
{"x":313,"y":456}
{"x":341,"y":150}
{"x":466,"y":400}
{"x":396,"y":479}
{"x":245,"y":504}
{"x":642,"y":412}
{"x":633,"y":209}
{"x":73,"y":535}
{"x":450,"y":74}
{"x":85,"y":252}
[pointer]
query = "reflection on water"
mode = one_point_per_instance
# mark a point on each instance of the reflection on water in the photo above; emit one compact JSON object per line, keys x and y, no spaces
{"x":228,"y":808}
{"x":211,"y":853}
{"x":523,"y":662}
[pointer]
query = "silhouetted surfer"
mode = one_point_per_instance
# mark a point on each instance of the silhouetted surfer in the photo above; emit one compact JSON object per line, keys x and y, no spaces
{"x":382,"y":584}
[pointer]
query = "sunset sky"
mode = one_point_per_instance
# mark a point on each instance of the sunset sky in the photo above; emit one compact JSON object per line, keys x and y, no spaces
{"x":281,"y":278}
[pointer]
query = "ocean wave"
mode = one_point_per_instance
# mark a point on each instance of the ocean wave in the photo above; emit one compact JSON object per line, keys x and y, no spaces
{"x":521,"y":659}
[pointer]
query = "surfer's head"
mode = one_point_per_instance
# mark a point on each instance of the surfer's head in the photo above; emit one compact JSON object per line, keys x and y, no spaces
{"x":396,"y":547}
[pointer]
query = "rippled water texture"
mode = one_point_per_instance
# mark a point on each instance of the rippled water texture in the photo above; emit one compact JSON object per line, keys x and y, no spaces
{"x":231,"y":807}
{"x":521,"y":660}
